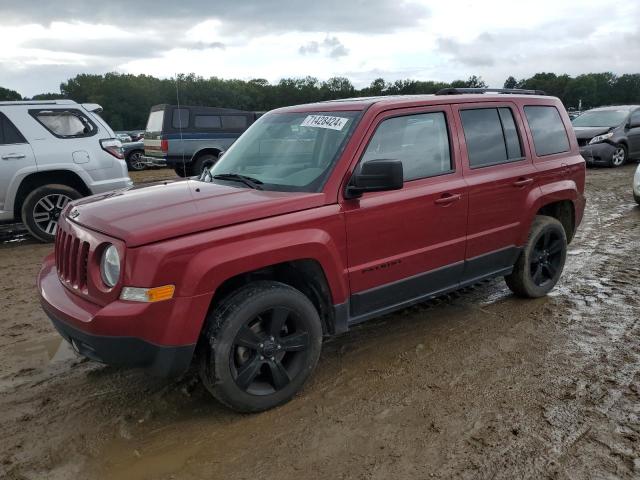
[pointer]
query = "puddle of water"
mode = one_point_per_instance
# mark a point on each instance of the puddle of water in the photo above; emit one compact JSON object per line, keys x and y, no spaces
{"x":43,"y":351}
{"x":148,"y":463}
{"x":34,"y":358}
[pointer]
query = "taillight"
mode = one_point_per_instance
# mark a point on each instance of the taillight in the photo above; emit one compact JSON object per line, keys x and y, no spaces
{"x":164,"y":146}
{"x":112,"y":146}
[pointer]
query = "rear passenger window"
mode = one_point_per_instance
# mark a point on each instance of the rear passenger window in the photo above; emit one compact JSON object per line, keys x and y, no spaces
{"x":180,"y":118}
{"x":65,"y":123}
{"x":207,"y":121}
{"x":420,"y":142}
{"x":549,"y":134}
{"x":9,"y":134}
{"x":234,"y":122}
{"x":491,"y":136}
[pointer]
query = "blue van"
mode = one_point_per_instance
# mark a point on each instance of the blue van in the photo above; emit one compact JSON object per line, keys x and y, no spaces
{"x":190,"y":139}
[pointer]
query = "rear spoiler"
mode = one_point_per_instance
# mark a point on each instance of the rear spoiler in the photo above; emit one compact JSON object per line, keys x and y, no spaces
{"x":93,"y":107}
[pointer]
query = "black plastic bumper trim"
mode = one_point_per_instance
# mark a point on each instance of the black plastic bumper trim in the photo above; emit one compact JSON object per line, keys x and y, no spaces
{"x":161,"y":361}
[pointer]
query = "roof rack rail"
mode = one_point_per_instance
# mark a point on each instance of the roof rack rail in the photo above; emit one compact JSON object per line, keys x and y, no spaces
{"x":516,"y":91}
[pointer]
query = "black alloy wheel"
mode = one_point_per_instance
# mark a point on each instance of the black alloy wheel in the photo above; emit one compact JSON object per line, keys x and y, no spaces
{"x":546,"y":257}
{"x":540,"y":263}
{"x":259,"y":346}
{"x":269,"y":351}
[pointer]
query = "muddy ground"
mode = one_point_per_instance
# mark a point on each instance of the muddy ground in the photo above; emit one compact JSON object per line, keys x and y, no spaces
{"x":475,"y":385}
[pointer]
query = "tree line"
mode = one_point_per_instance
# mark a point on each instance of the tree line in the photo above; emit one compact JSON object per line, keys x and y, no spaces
{"x":127,"y":98}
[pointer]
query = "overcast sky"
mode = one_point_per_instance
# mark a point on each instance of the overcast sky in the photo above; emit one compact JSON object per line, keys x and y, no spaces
{"x":46,"y":42}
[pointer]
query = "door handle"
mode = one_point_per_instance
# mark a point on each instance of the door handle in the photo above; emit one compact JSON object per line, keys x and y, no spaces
{"x":522,"y":182}
{"x":448,"y":198}
{"x":13,"y":156}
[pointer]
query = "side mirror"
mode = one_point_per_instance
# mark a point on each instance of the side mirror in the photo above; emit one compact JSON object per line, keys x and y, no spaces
{"x":376,"y":176}
{"x":634,"y":123}
{"x":221,"y":153}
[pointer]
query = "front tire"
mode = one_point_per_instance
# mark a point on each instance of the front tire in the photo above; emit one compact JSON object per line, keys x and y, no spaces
{"x":135,"y":162}
{"x":619,"y":156}
{"x":182,"y":171}
{"x":42,"y":208}
{"x":259,"y":346}
{"x":540,"y":264}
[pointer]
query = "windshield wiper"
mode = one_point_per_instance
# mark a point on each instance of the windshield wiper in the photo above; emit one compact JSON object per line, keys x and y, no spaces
{"x":236,"y":177}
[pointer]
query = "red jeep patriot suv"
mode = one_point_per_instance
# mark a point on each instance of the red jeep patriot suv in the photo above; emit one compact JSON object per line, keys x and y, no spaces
{"x":319,"y":217}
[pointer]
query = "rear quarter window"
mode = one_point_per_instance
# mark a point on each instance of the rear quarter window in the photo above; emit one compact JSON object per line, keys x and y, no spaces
{"x":547,"y":128}
{"x":9,"y":134}
{"x":65,"y":123}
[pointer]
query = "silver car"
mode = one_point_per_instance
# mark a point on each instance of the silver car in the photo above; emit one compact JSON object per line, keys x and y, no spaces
{"x":52,"y":152}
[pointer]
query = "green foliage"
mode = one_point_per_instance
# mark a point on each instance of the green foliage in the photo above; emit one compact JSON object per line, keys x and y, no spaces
{"x":510,"y":82}
{"x":9,"y":95}
{"x":126,"y":99}
{"x":593,"y":89}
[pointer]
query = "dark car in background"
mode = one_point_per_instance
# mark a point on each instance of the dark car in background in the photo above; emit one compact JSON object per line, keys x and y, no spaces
{"x":609,"y":135}
{"x":190,"y":139}
{"x":134,"y":155}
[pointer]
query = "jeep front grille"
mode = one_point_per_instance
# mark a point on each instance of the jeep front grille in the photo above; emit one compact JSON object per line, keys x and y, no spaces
{"x":71,"y":260}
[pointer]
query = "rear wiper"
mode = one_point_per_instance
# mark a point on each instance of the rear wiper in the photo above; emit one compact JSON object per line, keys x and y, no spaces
{"x":236,"y":177}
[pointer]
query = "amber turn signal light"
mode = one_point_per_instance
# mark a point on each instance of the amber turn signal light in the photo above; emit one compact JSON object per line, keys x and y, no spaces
{"x":155,"y":294}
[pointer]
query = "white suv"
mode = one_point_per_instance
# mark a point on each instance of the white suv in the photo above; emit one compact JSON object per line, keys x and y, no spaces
{"x":52,"y":152}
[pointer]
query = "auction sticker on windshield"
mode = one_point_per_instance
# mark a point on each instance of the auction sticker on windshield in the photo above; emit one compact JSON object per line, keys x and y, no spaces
{"x":324,"y":121}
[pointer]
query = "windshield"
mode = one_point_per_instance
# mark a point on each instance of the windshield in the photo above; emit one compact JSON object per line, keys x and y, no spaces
{"x":600,"y":118}
{"x":287,"y":151}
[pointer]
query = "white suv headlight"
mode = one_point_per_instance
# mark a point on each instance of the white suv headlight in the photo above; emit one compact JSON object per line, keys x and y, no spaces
{"x":601,"y":138}
{"x":110,"y":266}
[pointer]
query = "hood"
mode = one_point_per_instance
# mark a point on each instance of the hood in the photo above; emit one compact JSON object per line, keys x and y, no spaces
{"x":583,"y":133}
{"x":162,"y":211}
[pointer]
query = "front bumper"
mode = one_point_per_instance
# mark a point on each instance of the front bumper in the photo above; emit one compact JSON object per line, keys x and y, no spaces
{"x":125,"y":351}
{"x":154,"y":336}
{"x":598,"y":153}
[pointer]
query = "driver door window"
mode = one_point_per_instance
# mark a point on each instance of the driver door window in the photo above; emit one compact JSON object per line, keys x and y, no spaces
{"x":420,"y":142}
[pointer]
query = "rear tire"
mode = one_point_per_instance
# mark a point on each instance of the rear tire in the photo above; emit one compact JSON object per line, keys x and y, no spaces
{"x":42,"y":208}
{"x":202,"y":162}
{"x":540,"y":264}
{"x":259,"y":346}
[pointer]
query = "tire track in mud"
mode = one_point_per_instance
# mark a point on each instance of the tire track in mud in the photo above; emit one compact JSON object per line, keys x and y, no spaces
{"x":598,"y":304}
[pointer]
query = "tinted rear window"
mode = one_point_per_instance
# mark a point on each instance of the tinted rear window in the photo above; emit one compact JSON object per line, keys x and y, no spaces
{"x":549,"y":134}
{"x":491,"y":136}
{"x":180,"y":118}
{"x":207,"y":121}
{"x":154,"y":124}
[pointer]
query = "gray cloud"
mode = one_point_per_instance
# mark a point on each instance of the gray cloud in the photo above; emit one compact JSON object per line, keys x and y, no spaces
{"x":119,"y":48}
{"x":32,"y":79}
{"x":332,"y":47}
{"x":250,"y":17}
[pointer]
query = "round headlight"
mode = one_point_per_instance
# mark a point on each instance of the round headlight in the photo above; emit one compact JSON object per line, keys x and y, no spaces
{"x":110,"y":266}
